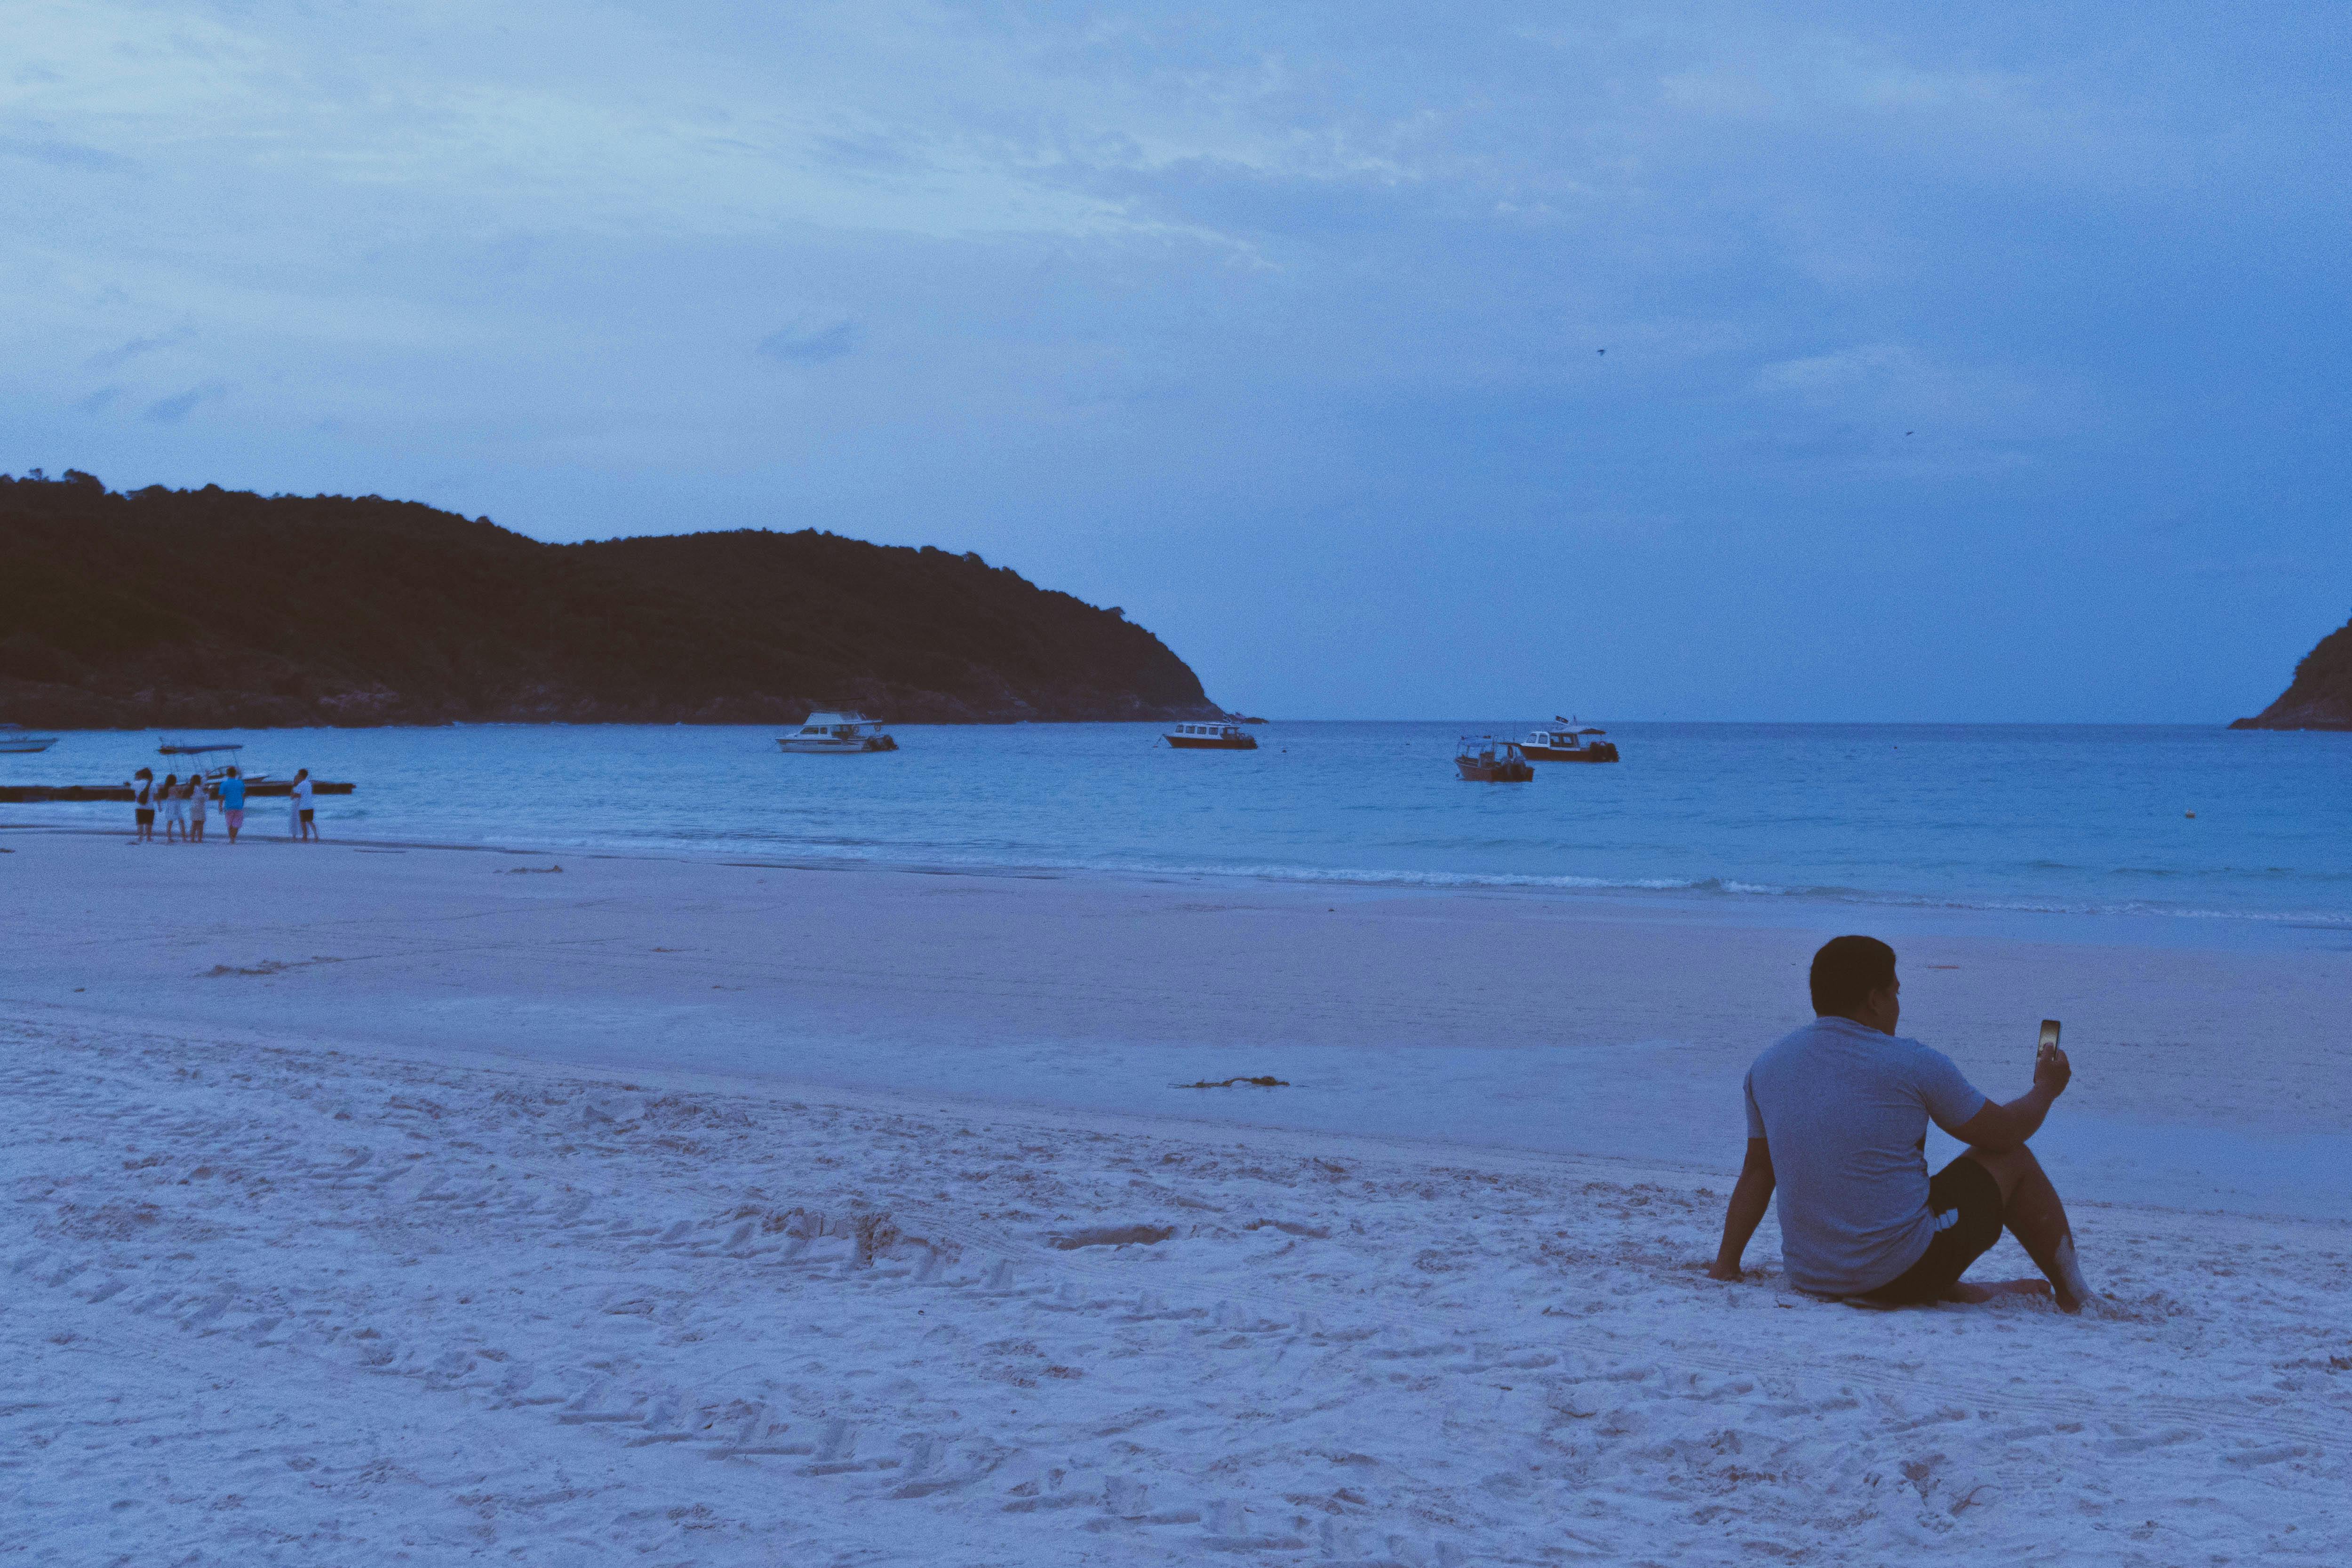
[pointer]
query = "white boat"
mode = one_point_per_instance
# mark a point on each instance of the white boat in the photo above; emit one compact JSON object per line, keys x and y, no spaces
{"x":1210,"y":737}
{"x":215,"y":758}
{"x":837,"y":732}
{"x":1572,"y":743}
{"x":15,"y":740}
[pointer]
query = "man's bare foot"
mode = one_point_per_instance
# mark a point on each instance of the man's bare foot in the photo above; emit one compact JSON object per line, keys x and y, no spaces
{"x":1977,"y":1295}
{"x":2066,"y":1277}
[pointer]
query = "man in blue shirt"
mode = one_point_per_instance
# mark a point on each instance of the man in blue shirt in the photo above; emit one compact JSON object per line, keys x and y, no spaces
{"x":232,"y":800}
{"x":1837,"y":1122}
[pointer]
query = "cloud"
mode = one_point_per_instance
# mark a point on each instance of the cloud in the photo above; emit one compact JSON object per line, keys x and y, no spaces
{"x":174,"y":409}
{"x":812,"y":345}
{"x":1842,"y":373}
{"x":123,"y":354}
{"x":1901,"y":407}
{"x":1892,"y":380}
{"x":66,"y":154}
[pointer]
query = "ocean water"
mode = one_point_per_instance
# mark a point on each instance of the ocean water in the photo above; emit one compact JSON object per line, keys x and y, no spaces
{"x":2060,"y":819}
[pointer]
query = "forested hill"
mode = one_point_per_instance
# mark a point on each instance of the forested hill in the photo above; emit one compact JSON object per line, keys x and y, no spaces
{"x":2320,"y":696}
{"x":214,"y":608}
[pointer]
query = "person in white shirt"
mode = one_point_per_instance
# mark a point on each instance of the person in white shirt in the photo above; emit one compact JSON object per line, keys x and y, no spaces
{"x":175,"y":808}
{"x":306,"y":825}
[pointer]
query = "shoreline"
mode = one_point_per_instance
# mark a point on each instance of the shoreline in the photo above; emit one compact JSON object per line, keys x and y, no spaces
{"x":2129,"y":924}
{"x":1273,"y":1138}
{"x":1494,"y":1020}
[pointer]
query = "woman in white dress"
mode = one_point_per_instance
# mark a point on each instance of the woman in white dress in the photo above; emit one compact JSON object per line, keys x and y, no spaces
{"x":175,"y":808}
{"x":199,"y":802}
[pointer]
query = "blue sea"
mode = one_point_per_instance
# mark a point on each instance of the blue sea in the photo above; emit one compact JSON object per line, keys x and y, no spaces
{"x":2193,"y":823}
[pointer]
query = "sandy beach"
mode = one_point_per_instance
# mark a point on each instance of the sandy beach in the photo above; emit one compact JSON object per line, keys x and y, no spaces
{"x":678,"y":1211}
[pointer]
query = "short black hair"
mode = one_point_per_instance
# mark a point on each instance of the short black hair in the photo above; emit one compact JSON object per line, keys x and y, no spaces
{"x":1847,"y":969}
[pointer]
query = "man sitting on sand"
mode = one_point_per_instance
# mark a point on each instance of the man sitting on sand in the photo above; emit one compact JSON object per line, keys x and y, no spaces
{"x":1837,"y":1121}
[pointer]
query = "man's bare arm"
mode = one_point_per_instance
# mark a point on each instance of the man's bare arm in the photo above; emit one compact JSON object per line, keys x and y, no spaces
{"x":2000,"y":1127}
{"x":1748,"y":1201}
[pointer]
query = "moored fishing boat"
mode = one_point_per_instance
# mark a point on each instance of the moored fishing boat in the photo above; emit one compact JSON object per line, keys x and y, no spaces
{"x":215,"y":758}
{"x":1483,"y":760}
{"x":1217,"y":736}
{"x":1571,"y":742}
{"x":837,"y":732}
{"x":15,"y":740}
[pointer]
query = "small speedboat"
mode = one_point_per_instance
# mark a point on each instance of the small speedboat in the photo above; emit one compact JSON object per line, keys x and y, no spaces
{"x":215,"y":758}
{"x":1571,"y":742}
{"x":15,"y":740}
{"x":837,"y":732}
{"x":1485,"y":760}
{"x":1210,"y":737}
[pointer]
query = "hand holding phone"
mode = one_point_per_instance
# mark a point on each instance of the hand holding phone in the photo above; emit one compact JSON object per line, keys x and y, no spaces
{"x":2051,"y":1068}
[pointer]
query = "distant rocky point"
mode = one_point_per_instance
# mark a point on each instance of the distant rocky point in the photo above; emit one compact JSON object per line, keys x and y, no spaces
{"x":216,"y":608}
{"x":2320,"y":697}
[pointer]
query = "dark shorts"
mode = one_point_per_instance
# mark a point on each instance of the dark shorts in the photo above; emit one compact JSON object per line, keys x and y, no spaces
{"x":146,"y":815}
{"x":1965,"y":1190}
{"x":306,"y":813}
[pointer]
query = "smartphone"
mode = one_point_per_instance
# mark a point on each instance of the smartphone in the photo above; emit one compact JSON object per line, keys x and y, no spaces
{"x":2049,"y":1036}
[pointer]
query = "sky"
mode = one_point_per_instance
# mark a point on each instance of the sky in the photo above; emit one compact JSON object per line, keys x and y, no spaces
{"x":1742,"y":361}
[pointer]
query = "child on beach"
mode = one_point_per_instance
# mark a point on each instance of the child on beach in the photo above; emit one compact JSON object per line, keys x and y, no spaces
{"x":142,"y":804}
{"x":232,"y":798}
{"x":306,"y":826}
{"x":200,"y":796}
{"x":175,"y":808}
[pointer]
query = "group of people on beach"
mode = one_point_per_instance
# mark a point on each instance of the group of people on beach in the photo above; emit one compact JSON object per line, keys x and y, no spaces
{"x":185,"y":803}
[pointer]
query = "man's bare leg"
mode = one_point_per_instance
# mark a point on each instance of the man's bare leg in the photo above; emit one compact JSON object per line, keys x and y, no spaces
{"x":2029,"y":1207}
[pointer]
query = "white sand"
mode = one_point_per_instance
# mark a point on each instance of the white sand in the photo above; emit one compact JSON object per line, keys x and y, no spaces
{"x":370,"y":1204}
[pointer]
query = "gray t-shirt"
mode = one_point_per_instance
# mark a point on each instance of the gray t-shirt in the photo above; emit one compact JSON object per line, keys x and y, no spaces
{"x":1844,"y":1110}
